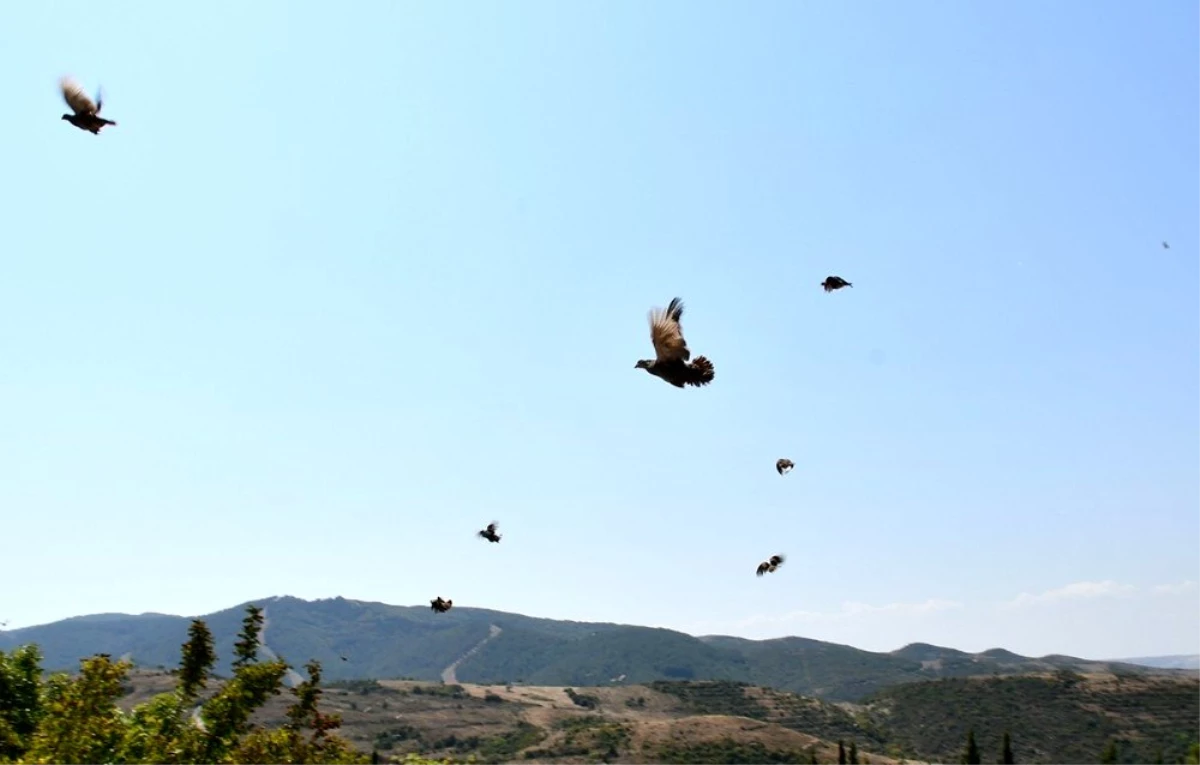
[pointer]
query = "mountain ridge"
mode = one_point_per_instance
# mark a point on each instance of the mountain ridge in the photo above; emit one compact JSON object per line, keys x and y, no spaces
{"x":381,"y":640}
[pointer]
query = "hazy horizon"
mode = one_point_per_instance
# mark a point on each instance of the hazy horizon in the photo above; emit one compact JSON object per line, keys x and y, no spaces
{"x":346,"y":283}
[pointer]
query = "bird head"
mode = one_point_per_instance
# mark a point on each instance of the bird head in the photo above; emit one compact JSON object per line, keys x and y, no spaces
{"x":66,"y":117}
{"x":642,"y":364}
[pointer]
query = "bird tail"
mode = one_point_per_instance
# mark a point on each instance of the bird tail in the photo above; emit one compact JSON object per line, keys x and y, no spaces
{"x":702,"y":371}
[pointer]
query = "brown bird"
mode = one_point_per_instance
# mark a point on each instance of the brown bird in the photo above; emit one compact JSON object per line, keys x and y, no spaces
{"x":671,"y":351}
{"x":441,"y":606}
{"x":86,"y":112}
{"x":784,"y":466}
{"x":490,"y":532}
{"x":769,"y":566}
{"x":832,"y":283}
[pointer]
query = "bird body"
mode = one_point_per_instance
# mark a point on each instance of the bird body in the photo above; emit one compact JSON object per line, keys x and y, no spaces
{"x":490,"y":532}
{"x":768,"y":566}
{"x":832,"y":283}
{"x":441,"y":606}
{"x":784,"y":466}
{"x":86,"y":113}
{"x":672,"y":360}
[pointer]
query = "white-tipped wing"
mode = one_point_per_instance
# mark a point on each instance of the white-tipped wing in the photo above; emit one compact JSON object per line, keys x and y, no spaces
{"x":666,"y":333}
{"x":79,"y":101}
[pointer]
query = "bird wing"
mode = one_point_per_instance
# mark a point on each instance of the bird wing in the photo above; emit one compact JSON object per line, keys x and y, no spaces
{"x":76,"y":98}
{"x":777,"y":560}
{"x":667,"y":334}
{"x":762,"y":569}
{"x":493,"y":526}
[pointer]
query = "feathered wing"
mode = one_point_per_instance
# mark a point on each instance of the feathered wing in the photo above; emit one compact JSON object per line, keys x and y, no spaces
{"x":667,"y":334}
{"x":762,"y":569}
{"x":699,"y":373}
{"x":776,"y":560}
{"x":79,"y":101}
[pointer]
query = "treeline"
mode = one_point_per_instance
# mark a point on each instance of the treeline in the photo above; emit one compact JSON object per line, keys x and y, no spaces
{"x":64,"y":719}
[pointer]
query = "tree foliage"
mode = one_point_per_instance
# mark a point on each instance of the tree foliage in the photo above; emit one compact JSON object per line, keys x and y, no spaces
{"x":65,"y":719}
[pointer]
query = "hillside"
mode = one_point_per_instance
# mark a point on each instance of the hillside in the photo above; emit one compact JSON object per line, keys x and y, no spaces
{"x":1058,"y":717}
{"x":384,"y":641}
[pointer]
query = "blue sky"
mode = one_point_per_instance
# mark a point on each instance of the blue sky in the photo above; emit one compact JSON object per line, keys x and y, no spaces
{"x":347,"y":282}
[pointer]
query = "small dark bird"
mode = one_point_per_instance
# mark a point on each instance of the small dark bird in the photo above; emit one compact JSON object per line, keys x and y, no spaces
{"x":86,"y":112}
{"x":769,"y":566}
{"x":784,"y":466}
{"x":1166,"y":246}
{"x":671,"y":351}
{"x":832,"y":283}
{"x":441,"y":606}
{"x":490,"y":532}
{"x":343,"y":658}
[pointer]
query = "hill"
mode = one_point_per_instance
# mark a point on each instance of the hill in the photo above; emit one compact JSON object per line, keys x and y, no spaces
{"x":1055,"y":717}
{"x":1181,"y":661}
{"x":384,"y":641}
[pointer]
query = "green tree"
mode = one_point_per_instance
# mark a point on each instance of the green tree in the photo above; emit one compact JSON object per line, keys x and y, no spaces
{"x":198,"y":659}
{"x":20,"y":700}
{"x":841,"y":753}
{"x":971,"y":755}
{"x":1109,"y":755}
{"x":853,"y":753}
{"x":1193,"y":755}
{"x":246,"y":648}
{"x":81,"y":721}
{"x":1006,"y":757}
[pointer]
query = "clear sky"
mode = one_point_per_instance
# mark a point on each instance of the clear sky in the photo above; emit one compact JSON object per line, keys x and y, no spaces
{"x":348,"y":281}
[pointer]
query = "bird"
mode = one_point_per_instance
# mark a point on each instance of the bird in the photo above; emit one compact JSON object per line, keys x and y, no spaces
{"x":86,"y":112}
{"x":832,"y":283}
{"x":490,"y":532}
{"x":784,"y":466}
{"x":1166,"y":246}
{"x":768,"y":566}
{"x":671,"y":352}
{"x":343,"y":658}
{"x":441,"y":606}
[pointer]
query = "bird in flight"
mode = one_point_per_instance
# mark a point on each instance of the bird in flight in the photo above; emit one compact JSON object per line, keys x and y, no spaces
{"x":490,"y":532}
{"x":832,"y":283}
{"x":784,"y":466}
{"x":86,"y":114}
{"x":441,"y":606}
{"x":768,"y":566}
{"x":1166,"y":246}
{"x":671,"y":353}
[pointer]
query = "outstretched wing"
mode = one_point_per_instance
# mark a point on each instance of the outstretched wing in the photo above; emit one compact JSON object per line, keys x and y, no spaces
{"x":762,"y":569}
{"x":493,"y":526}
{"x":777,"y":560}
{"x":76,"y":98}
{"x":667,"y":334}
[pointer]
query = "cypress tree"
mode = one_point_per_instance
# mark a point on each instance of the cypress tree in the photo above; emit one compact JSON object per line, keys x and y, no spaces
{"x":1007,"y":756}
{"x":971,"y":756}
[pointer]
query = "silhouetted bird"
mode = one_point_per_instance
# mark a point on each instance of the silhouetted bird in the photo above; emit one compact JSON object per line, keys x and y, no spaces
{"x":86,"y":112}
{"x":784,"y":466}
{"x":671,"y":351}
{"x":343,"y":658}
{"x":832,"y":283}
{"x":1166,"y":246}
{"x":441,"y":606}
{"x":769,"y":566}
{"x":490,"y":532}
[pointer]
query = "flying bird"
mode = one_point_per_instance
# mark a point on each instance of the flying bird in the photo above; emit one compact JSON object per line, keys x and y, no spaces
{"x":832,"y":283}
{"x":441,"y":606}
{"x":343,"y":658}
{"x":784,"y":466}
{"x":86,"y":112}
{"x":671,"y":352}
{"x":1166,"y":246}
{"x":490,"y":532}
{"x":769,"y":566}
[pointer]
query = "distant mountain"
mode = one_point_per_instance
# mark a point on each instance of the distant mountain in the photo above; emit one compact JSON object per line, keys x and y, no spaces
{"x":384,"y":641}
{"x":1179,"y":661}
